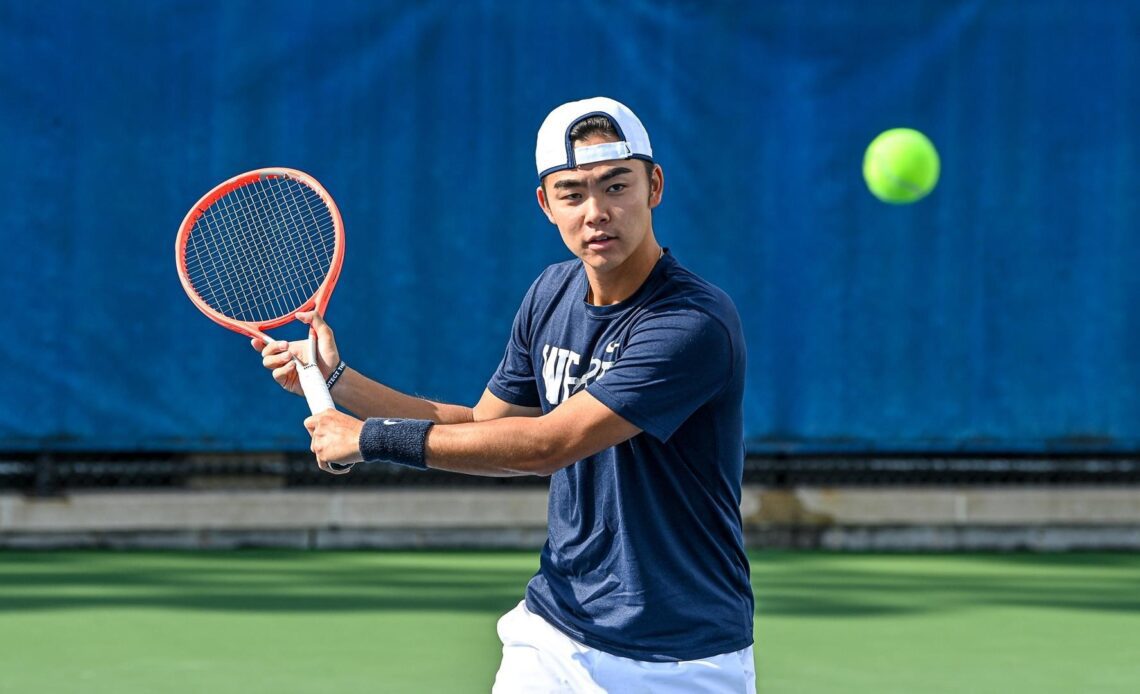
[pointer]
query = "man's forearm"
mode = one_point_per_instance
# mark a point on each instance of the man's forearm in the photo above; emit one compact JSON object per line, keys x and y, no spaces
{"x":503,"y":447}
{"x":365,"y":398}
{"x":511,"y":445}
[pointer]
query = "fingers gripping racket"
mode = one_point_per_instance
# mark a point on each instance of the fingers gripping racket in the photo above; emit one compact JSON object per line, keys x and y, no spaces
{"x":257,"y":249}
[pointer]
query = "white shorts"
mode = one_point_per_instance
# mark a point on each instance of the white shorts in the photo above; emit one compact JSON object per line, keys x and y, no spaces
{"x":539,"y":658}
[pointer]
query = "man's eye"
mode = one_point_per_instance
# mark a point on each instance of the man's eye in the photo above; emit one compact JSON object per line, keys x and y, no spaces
{"x":572,"y":196}
{"x":617,"y":187}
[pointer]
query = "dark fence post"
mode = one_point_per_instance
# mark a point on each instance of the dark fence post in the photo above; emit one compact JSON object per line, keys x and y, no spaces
{"x":47,"y":481}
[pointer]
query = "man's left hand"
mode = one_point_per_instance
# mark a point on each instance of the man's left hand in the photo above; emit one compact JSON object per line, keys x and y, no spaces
{"x":335,"y":439}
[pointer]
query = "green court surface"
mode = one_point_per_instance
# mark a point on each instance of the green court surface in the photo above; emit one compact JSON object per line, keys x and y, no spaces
{"x":284,"y":621}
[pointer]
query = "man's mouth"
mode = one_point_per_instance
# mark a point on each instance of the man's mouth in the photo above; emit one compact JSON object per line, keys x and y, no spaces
{"x":599,"y":241}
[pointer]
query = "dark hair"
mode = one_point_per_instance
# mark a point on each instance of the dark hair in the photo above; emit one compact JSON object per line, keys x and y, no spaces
{"x":594,"y":125}
{"x":601,"y":125}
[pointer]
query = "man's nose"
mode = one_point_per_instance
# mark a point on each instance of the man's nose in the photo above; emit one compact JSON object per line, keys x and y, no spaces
{"x":596,"y":211}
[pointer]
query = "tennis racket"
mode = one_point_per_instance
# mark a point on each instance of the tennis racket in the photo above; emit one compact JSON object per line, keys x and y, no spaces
{"x":257,"y":249}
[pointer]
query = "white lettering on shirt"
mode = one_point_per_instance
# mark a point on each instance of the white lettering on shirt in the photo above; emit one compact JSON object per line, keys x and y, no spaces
{"x":560,"y":367}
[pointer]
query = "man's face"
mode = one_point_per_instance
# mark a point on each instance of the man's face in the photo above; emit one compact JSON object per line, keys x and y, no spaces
{"x":602,"y":210}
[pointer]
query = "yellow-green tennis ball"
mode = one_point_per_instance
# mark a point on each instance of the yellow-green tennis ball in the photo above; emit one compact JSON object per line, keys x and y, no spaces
{"x":901,"y":166}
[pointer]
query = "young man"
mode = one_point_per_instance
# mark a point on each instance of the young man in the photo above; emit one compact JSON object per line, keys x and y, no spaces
{"x":622,"y":379}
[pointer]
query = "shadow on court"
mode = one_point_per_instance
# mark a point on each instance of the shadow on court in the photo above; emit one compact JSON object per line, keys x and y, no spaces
{"x":270,"y":581}
{"x":795,"y":584}
{"x":836,"y":585}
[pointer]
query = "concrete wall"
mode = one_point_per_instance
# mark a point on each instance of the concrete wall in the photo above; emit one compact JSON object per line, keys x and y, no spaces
{"x":873,"y":518}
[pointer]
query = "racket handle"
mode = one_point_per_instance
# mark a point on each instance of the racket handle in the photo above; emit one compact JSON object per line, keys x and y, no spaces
{"x":316,"y":392}
{"x":313,"y":383}
{"x":317,"y":395}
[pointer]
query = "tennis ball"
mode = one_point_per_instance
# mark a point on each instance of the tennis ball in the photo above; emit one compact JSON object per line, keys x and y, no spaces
{"x":901,"y":166}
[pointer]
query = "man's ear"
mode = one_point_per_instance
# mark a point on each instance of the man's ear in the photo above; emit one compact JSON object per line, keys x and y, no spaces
{"x":656,"y":186}
{"x":540,"y":194}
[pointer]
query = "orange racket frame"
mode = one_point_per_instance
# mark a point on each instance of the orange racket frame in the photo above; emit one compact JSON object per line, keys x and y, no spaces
{"x":320,"y":298}
{"x":309,"y":375}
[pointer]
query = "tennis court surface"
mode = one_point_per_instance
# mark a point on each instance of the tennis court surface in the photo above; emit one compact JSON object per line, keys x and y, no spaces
{"x":289,"y":621}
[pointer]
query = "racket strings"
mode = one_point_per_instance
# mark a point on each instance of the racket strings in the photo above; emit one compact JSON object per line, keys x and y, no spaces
{"x":262,"y":250}
{"x":314,"y":258}
{"x":231,"y":277}
{"x":243,"y":278}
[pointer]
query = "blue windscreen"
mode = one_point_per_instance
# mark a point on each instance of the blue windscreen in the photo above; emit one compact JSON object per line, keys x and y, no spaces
{"x":998,"y":314}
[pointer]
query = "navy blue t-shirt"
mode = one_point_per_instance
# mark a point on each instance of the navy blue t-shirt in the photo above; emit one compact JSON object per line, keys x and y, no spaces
{"x":645,"y":554}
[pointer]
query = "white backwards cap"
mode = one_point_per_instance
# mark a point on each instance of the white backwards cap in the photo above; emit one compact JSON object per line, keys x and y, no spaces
{"x":555,"y":152}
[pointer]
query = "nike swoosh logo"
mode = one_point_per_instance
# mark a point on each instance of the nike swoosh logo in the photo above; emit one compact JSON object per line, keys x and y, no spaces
{"x":390,"y":422}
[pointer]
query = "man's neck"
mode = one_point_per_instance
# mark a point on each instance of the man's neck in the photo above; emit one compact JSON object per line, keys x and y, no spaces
{"x":606,"y":289}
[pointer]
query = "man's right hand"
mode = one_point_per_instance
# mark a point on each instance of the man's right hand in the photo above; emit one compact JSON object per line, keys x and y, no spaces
{"x":278,"y":355}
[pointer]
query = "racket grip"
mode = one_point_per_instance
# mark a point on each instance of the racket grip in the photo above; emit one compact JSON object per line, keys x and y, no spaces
{"x":317,"y":395}
{"x":313,"y":383}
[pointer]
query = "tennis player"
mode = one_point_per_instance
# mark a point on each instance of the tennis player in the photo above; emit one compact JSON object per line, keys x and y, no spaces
{"x":622,"y":380}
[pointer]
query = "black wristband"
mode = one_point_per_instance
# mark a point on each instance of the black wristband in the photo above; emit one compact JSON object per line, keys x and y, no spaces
{"x":399,"y":441}
{"x":335,"y":376}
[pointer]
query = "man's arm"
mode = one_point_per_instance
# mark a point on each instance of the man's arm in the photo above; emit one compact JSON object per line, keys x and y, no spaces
{"x":496,"y":447}
{"x":365,"y":397}
{"x":579,"y":427}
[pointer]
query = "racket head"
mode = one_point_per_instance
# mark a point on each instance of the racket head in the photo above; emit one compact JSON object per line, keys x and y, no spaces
{"x":260,"y":247}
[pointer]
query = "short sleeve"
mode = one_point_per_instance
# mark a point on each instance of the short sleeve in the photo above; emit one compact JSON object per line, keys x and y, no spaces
{"x":514,"y":380}
{"x":673,"y":363}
